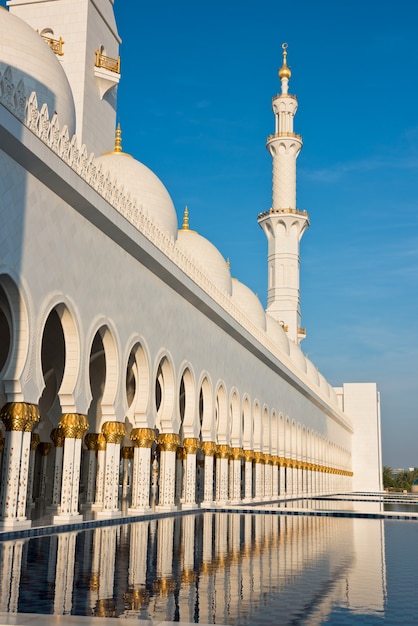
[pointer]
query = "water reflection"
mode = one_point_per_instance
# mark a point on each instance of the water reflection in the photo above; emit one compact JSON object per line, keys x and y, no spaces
{"x":210,"y":568}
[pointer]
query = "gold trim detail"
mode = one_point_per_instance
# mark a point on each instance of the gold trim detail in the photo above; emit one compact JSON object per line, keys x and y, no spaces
{"x":248,"y":455}
{"x":259,"y":457}
{"x":19,"y":416}
{"x":237,"y":454}
{"x":209,"y":448}
{"x":91,"y":441}
{"x":74,"y":425}
{"x":191,"y":445}
{"x":143,"y":437}
{"x":55,"y":44}
{"x":223,"y":451}
{"x":168,"y":442}
{"x":113,"y":432}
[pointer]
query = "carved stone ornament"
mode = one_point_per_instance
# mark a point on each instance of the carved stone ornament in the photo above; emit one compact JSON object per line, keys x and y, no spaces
{"x":143,"y":437}
{"x":209,"y":448}
{"x":74,"y":425}
{"x":58,"y":437}
{"x":114,"y":432}
{"x":168,"y":442}
{"x":191,"y":445}
{"x":20,"y":416}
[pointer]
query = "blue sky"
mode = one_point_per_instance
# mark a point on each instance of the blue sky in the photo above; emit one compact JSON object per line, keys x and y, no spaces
{"x":195,"y":106}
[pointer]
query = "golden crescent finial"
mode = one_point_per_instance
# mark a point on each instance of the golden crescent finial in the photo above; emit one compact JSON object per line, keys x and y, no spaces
{"x":118,"y":140}
{"x":284,"y":71}
{"x":185,"y":219}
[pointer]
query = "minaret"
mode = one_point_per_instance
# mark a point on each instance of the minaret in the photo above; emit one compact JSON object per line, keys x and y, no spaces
{"x":283,"y":224}
{"x":84,"y":36}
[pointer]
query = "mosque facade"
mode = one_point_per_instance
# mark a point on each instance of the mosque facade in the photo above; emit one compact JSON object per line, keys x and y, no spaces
{"x":133,"y":367}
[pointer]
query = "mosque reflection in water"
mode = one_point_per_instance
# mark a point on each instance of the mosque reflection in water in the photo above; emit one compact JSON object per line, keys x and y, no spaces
{"x":211,"y":568}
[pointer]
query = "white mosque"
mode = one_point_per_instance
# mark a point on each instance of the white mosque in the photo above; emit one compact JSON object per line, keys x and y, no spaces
{"x":133,"y":366}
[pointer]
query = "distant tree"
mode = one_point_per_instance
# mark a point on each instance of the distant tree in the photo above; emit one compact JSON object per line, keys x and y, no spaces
{"x":388,"y":480}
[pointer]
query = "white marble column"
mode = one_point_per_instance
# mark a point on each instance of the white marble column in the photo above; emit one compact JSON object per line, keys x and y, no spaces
{"x":190,"y":446}
{"x":64,"y":574}
{"x":44,"y":450}
{"x":101,"y":472}
{"x":222,"y":478}
{"x":58,"y":439}
{"x":10,"y":570}
{"x":143,"y":439}
{"x":127,"y":454}
{"x":236,"y":456}
{"x":268,"y":477}
{"x":282,"y":477}
{"x":91,"y":441}
{"x":74,"y":426}
{"x":248,"y":473}
{"x":113,"y":432}
{"x":19,"y":419}
{"x":258,"y":475}
{"x":275,"y":477}
{"x":34,"y":443}
{"x":168,"y":444}
{"x":209,"y":450}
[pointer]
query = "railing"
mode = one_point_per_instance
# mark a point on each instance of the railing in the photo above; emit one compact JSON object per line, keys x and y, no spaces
{"x":55,"y":44}
{"x":113,"y":65}
{"x":283,"y":211}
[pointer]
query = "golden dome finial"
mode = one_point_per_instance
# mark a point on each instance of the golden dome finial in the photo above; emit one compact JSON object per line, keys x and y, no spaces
{"x":284,"y":71}
{"x":185,"y":219}
{"x":118,"y":140}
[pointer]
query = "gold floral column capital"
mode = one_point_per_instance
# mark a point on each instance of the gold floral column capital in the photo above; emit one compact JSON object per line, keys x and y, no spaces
{"x":259,"y":457}
{"x":74,"y":425}
{"x":209,"y":448}
{"x":191,"y":445}
{"x":237,"y":454}
{"x":35,"y":440}
{"x":223,"y":451}
{"x":248,"y":455}
{"x":45,"y":448}
{"x":20,"y":416}
{"x":275,"y":459}
{"x":57,"y":437}
{"x":143,"y":437}
{"x":127,"y":452}
{"x":113,"y":432}
{"x":91,"y":441}
{"x":168,"y":442}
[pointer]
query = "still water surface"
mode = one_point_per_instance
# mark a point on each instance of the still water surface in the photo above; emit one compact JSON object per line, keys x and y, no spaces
{"x":219,"y":568}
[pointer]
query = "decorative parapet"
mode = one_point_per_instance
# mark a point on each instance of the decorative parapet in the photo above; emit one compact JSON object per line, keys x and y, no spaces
{"x":55,"y":44}
{"x":107,"y":63}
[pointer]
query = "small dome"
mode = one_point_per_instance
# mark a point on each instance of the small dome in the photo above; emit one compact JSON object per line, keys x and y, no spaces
{"x":323,"y":385}
{"x":276,"y":333}
{"x":144,"y":186}
{"x":32,"y":61}
{"x":249,"y":303}
{"x":297,"y":356}
{"x":207,"y":256}
{"x":312,"y":372}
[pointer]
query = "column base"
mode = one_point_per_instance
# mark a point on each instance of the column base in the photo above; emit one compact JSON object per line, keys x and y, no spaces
{"x":109,"y":514}
{"x":207,"y":504}
{"x":21,"y":524}
{"x":247,"y":500}
{"x":96,"y":506}
{"x":186,"y":506}
{"x":67,"y":517}
{"x":166,"y":507}
{"x":138,"y":510}
{"x":222,"y":502}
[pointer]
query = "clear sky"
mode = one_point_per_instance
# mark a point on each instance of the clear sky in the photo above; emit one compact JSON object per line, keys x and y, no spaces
{"x":195,"y":106}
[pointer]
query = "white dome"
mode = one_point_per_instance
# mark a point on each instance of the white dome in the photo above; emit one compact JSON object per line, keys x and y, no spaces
{"x":312,"y":372}
{"x":297,"y":356}
{"x":32,"y":61}
{"x":144,"y":186}
{"x":276,"y":333}
{"x":323,"y":385}
{"x":207,"y":257}
{"x":248,"y":302}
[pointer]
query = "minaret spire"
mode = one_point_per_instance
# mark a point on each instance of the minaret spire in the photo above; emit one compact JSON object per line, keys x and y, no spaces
{"x":284,"y":224}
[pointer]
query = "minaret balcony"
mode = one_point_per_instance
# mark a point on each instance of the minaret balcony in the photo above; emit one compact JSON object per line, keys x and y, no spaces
{"x":107,"y":63}
{"x":283,"y":212}
{"x":282,"y":96}
{"x":281,"y":135}
{"x":55,"y":44}
{"x":301,"y":333}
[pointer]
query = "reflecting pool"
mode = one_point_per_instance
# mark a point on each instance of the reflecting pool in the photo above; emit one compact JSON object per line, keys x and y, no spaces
{"x":220,"y":568}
